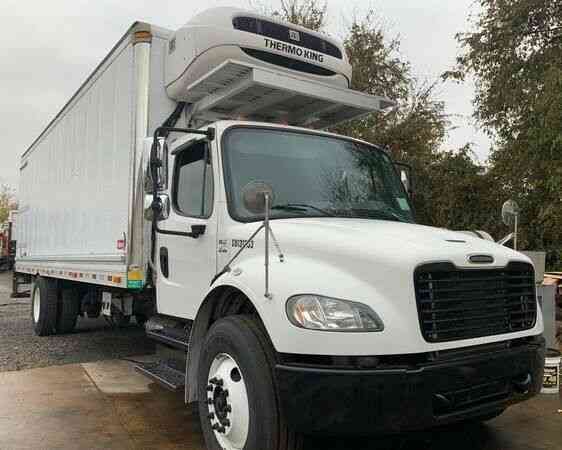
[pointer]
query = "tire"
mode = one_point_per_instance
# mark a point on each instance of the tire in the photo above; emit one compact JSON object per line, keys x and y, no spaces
{"x":239,"y":342}
{"x":68,"y":310}
{"x":44,"y":295}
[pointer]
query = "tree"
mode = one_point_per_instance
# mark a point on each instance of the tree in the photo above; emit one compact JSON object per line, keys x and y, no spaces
{"x":7,"y":202}
{"x":414,"y":130}
{"x":307,"y":13}
{"x":515,"y":55}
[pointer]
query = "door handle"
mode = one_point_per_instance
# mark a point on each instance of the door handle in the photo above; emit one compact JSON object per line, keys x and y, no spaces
{"x":196,"y":231}
{"x":164,"y":268}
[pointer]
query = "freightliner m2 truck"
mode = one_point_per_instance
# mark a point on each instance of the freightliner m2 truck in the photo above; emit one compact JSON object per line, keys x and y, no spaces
{"x":189,"y":183}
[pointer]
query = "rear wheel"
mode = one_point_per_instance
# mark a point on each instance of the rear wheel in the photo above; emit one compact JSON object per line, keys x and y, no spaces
{"x":238,"y":403}
{"x":68,"y":310}
{"x":44,"y":306}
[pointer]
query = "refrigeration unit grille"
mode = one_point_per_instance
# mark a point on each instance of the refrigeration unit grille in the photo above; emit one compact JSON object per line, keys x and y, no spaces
{"x":283,"y":33}
{"x":456,"y":304}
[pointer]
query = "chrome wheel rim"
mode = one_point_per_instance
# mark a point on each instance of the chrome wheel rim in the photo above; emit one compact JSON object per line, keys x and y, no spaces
{"x":36,"y":304}
{"x":227,"y":401}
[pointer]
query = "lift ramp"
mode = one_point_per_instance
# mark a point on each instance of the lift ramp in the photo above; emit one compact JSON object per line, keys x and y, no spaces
{"x":236,"y":90}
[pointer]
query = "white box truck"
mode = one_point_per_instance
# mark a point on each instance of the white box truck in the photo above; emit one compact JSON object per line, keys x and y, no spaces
{"x":189,"y":183}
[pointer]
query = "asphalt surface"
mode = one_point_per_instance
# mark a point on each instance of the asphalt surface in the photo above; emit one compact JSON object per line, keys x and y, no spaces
{"x":93,"y":339}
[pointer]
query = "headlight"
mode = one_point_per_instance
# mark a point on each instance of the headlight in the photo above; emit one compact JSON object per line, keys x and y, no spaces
{"x":315,"y":312}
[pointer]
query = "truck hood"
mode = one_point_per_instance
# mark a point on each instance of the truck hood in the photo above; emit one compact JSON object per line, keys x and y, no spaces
{"x":368,"y":261}
{"x":395,"y":243}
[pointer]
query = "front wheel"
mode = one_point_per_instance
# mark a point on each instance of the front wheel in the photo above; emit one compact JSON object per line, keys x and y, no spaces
{"x":238,"y":403}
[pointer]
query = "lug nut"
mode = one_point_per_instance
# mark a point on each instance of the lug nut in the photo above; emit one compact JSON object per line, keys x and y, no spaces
{"x":218,"y":428}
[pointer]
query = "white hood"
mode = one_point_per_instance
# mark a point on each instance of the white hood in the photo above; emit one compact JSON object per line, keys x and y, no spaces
{"x":369,"y":261}
{"x":397,"y":243}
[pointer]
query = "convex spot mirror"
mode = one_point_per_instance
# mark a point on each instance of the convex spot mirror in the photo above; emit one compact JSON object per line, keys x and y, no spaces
{"x":254,"y":194}
{"x":510,"y":211}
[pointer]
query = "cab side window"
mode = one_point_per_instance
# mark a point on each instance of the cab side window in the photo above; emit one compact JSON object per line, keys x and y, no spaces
{"x":193,"y":181}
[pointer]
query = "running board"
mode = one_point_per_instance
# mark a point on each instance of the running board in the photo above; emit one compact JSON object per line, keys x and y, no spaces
{"x":165,"y":373}
{"x":169,"y":331}
{"x":173,"y":340}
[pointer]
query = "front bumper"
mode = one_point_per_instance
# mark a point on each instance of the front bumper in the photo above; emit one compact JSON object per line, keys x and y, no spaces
{"x":447,"y":387}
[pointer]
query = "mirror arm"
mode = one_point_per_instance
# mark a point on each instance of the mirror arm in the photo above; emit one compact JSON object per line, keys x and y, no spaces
{"x":205,"y":159}
{"x":226,"y":267}
{"x":267,"y":294}
{"x":196,"y":231}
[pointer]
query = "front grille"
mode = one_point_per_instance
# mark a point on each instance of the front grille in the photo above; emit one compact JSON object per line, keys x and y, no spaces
{"x":282,"y":33}
{"x":468,"y":303}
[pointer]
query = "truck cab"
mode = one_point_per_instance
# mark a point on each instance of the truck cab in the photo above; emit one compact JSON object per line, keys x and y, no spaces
{"x":367,"y":321}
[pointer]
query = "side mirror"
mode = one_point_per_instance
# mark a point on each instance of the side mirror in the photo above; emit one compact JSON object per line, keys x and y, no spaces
{"x":258,"y":198}
{"x":510,"y":213}
{"x":406,"y":177}
{"x":159,"y":207}
{"x":405,"y":180}
{"x":159,"y":161}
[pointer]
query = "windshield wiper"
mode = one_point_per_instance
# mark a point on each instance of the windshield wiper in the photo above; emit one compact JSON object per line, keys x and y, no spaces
{"x":381,"y":213}
{"x":391,"y":215}
{"x":301,"y":207}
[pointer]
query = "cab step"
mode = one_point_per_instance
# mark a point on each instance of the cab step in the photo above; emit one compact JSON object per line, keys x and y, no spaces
{"x":167,"y":373}
{"x":169,"y":331}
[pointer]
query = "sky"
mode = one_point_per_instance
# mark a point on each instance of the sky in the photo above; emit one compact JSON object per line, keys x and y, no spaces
{"x":48,"y":48}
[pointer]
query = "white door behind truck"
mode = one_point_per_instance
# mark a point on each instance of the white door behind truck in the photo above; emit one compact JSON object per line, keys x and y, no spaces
{"x":186,"y":264}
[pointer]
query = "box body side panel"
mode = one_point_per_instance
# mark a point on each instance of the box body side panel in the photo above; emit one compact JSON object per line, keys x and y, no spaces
{"x":74,"y":180}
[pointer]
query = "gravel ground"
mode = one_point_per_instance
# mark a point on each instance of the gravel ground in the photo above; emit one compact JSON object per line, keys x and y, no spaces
{"x":92,"y":340}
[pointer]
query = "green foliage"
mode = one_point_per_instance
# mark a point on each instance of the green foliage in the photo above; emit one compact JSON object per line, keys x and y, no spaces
{"x":7,"y":202}
{"x":450,"y":189}
{"x":515,"y":55}
{"x":307,"y":13}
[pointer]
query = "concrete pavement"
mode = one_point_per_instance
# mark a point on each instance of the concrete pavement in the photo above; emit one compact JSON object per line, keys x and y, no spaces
{"x":104,"y":405}
{"x":107,"y":405}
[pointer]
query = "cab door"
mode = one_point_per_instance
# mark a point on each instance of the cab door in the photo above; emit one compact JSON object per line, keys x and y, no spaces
{"x":186,"y":241}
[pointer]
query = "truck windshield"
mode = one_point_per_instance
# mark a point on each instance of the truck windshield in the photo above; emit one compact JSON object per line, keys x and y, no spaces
{"x":312,"y":176}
